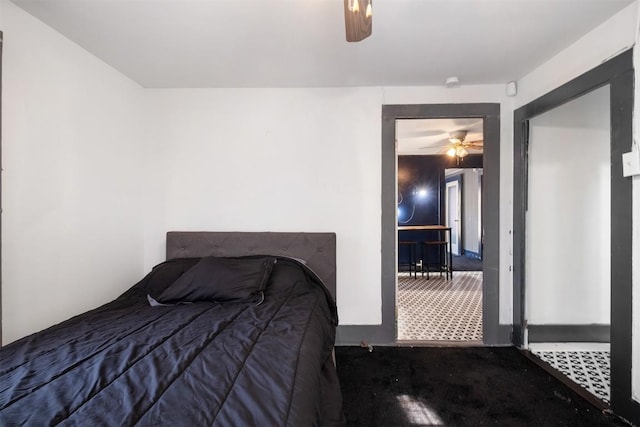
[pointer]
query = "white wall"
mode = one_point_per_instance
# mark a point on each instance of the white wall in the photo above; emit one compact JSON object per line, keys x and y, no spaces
{"x":71,"y":225}
{"x":568,"y":217}
{"x":309,"y":161}
{"x":612,"y":37}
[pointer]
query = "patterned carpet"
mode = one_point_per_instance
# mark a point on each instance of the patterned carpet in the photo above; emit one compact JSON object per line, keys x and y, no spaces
{"x":451,"y":310}
{"x":439,"y":309}
{"x":588,"y":365}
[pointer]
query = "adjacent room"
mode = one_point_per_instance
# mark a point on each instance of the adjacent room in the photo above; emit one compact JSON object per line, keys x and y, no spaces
{"x":322,"y":212}
{"x":568,"y":311}
{"x":439,"y":230}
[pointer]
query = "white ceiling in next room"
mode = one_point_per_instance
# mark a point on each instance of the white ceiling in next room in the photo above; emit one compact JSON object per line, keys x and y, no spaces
{"x":431,"y":136}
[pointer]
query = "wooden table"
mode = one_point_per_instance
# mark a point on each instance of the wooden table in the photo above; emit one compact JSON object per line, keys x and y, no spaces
{"x":440,"y":229}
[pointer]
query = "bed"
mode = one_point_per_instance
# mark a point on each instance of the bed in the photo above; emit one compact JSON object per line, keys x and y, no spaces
{"x":234,"y":329}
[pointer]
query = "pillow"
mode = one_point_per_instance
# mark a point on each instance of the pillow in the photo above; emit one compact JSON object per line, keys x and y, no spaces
{"x":221,"y":280}
{"x":164,"y":274}
{"x":300,"y":260}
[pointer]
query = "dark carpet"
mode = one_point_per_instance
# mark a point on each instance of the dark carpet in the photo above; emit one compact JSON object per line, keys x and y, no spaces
{"x":463,"y":263}
{"x":403,"y":386}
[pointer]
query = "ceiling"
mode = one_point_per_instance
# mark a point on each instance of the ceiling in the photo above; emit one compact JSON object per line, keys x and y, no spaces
{"x":431,"y":136}
{"x":301,"y":43}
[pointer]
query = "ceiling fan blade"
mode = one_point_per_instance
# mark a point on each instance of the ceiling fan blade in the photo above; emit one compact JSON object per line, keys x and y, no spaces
{"x":357,"y":25}
{"x":419,"y":133}
{"x":477,"y":143}
{"x":434,"y":148}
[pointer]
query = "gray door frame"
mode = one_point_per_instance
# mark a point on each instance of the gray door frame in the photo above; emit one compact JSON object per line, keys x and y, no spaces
{"x":385,"y":333}
{"x":618,"y":73}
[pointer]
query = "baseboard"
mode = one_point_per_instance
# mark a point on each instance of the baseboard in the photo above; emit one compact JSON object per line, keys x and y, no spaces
{"x":504,"y":336}
{"x":368,"y":334}
{"x":347,"y":335}
{"x":471,"y":254}
{"x":569,"y":333}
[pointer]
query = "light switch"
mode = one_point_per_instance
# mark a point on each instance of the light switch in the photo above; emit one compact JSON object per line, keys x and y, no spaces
{"x":631,"y":163}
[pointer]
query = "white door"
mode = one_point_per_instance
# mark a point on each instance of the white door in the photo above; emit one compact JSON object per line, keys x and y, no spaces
{"x":452,"y":204}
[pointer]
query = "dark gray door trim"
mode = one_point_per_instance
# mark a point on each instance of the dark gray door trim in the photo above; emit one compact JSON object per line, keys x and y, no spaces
{"x":1,"y":43}
{"x":618,"y":73}
{"x":385,"y":334}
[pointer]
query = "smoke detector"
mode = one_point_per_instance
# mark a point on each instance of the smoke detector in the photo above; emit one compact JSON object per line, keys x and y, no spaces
{"x":452,"y":82}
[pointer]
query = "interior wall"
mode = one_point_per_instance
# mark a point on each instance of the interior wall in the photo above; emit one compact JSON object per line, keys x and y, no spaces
{"x":613,"y":36}
{"x":568,"y":217}
{"x":426,"y":172}
{"x":309,"y":161}
{"x":610,"y":38}
{"x":72,"y":236}
{"x":417,"y":173}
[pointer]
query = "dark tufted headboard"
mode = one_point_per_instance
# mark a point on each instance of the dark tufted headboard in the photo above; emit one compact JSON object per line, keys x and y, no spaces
{"x":317,"y":249}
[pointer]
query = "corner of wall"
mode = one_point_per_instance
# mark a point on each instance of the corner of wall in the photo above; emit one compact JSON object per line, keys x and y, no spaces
{"x":609,"y":39}
{"x":71,"y":152}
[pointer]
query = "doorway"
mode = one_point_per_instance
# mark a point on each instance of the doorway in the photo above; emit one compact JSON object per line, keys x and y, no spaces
{"x":439,"y":288}
{"x":618,"y":74}
{"x":568,"y":302}
{"x":492,"y":331}
{"x":453,"y":210}
{"x":384,"y":333}
{"x":466,"y":183}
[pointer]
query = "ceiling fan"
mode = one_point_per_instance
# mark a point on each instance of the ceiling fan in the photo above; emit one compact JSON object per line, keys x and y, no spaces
{"x":357,"y":19}
{"x":458,"y":147}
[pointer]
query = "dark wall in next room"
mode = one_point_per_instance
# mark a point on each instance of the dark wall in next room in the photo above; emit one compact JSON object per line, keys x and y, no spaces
{"x":421,"y":187}
{"x":421,"y":191}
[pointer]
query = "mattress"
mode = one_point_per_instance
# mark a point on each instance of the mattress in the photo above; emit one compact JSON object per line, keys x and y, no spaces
{"x":248,"y":363}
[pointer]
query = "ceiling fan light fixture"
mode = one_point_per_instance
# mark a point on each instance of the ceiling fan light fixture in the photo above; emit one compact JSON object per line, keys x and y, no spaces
{"x":451,"y":152}
{"x":461,"y":152}
{"x":457,"y":136}
{"x":358,"y":19}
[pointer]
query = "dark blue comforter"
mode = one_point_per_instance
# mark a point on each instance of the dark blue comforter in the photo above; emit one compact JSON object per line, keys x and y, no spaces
{"x":220,"y":364}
